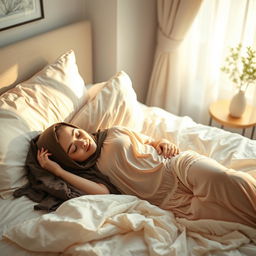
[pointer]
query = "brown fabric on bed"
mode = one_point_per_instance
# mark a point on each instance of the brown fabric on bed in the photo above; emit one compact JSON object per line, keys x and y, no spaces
{"x":50,"y":191}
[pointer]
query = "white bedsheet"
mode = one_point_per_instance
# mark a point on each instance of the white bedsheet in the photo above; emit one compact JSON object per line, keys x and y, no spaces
{"x":125,"y":225}
{"x":231,"y":149}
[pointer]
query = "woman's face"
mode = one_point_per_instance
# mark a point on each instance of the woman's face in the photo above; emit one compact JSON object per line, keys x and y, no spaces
{"x":77,"y":143}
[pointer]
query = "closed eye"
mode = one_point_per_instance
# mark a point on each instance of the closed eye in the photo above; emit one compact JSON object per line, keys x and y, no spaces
{"x":75,"y":149}
{"x":70,"y":146}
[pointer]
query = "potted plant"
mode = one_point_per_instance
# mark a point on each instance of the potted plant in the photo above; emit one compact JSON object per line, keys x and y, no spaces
{"x":241,"y":69}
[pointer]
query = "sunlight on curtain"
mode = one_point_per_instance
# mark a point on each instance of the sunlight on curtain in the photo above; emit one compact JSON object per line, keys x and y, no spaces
{"x":220,"y":24}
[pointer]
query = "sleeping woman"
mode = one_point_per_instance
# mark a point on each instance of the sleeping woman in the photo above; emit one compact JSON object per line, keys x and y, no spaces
{"x":191,"y":185}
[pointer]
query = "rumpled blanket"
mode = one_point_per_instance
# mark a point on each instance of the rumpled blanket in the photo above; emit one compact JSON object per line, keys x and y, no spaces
{"x":125,"y":225}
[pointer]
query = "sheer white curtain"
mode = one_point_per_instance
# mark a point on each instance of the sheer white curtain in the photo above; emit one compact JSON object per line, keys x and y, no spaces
{"x":196,"y":80}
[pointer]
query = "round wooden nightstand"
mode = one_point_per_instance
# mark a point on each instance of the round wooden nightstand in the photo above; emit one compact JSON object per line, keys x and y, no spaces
{"x":219,"y":111}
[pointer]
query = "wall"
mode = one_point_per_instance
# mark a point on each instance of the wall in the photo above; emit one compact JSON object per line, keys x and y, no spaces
{"x":103,"y":16}
{"x":57,"y":13}
{"x":123,"y":39}
{"x":136,"y":41}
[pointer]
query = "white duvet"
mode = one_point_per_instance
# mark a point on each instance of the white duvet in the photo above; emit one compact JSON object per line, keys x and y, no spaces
{"x":125,"y":225}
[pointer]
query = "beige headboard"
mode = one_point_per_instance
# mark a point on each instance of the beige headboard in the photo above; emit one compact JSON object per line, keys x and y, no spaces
{"x":21,"y":60}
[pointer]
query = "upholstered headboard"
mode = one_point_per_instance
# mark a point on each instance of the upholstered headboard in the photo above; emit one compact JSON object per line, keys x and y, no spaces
{"x":21,"y":60}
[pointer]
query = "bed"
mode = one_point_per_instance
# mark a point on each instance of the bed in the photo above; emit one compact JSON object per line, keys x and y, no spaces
{"x":47,"y":79}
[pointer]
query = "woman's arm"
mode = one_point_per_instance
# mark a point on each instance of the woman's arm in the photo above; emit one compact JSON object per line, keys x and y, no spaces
{"x":164,"y":147}
{"x":85,"y":185}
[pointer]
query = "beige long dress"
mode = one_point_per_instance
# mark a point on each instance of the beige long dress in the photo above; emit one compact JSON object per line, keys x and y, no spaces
{"x":190,"y":185}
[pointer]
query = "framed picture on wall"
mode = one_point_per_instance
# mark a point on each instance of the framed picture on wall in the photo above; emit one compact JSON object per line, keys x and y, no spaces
{"x":18,"y":12}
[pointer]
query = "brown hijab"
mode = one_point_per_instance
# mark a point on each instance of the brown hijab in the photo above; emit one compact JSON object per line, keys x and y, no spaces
{"x":87,"y":169}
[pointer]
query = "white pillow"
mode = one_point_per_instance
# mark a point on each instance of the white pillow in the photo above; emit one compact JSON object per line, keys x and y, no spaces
{"x":111,"y":103}
{"x":52,"y":95}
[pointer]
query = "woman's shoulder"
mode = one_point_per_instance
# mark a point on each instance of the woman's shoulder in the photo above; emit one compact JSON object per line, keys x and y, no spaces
{"x":119,"y":128}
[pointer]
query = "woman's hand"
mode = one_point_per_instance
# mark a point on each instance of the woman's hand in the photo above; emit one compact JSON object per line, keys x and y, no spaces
{"x":166,"y":148}
{"x":46,"y":163}
{"x":88,"y":186}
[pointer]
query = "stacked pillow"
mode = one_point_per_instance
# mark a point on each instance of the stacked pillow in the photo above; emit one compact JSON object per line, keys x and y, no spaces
{"x":57,"y":94}
{"x":54,"y":94}
{"x":111,"y":103}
